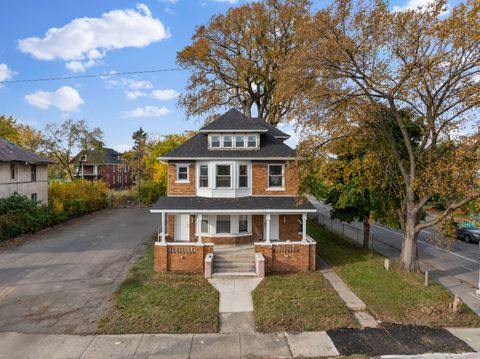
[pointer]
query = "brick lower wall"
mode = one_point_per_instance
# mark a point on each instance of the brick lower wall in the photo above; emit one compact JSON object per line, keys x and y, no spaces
{"x":291,"y":257}
{"x":288,"y":228}
{"x":182,"y":258}
{"x":228,"y":240}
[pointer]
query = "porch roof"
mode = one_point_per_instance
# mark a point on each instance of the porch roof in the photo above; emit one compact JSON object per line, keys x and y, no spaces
{"x":250,"y":204}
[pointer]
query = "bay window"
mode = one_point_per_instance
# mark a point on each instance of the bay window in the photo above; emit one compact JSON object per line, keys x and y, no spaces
{"x":204,"y":225}
{"x":223,"y":176}
{"x":223,"y":224}
{"x":243,"y":223}
{"x":203,"y":183}
{"x":243,"y":176}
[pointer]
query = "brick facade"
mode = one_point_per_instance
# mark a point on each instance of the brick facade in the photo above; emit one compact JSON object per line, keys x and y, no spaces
{"x":182,"y":258}
{"x":175,"y":188}
{"x":288,"y":257}
{"x":289,"y":228}
{"x":260,"y":179}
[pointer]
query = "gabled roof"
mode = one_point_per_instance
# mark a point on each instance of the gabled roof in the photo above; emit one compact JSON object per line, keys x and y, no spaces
{"x":234,"y":121}
{"x":274,"y":130}
{"x":197,"y":148}
{"x":104,"y":156}
{"x":249,"y":204}
{"x":10,"y":152}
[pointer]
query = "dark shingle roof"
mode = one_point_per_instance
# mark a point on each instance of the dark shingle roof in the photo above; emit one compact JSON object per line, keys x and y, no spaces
{"x":104,"y":156}
{"x":197,"y":148}
{"x":234,"y":120}
{"x":11,"y":152}
{"x":239,"y":203}
{"x":274,"y":130}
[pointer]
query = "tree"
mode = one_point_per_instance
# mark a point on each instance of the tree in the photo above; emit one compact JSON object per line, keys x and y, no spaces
{"x":235,"y":60}
{"x":140,"y":139}
{"x":62,"y":139}
{"x":88,"y":140}
{"x":23,"y":135}
{"x":357,"y":56}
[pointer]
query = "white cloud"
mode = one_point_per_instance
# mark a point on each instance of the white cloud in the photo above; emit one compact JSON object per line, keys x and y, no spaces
{"x":229,"y":1}
{"x":168,"y":1}
{"x":6,"y":73}
{"x":83,"y":42}
{"x":66,"y":99}
{"x":415,"y":5}
{"x":164,"y":95}
{"x":147,"y":111}
{"x":130,"y":83}
{"x":123,"y":147}
{"x":133,"y":95}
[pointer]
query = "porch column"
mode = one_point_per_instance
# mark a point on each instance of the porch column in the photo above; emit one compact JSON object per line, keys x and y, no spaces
{"x":267,"y":227}
{"x":163,"y":227}
{"x":199,"y":228}
{"x":304,"y":227}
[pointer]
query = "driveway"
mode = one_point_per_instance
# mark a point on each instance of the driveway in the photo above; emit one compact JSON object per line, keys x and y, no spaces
{"x":62,"y":280}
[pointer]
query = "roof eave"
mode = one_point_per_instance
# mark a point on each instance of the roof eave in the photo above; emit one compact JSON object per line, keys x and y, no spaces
{"x":232,"y":131}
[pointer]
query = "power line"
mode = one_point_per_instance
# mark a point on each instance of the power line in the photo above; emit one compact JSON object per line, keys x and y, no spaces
{"x":91,"y":76}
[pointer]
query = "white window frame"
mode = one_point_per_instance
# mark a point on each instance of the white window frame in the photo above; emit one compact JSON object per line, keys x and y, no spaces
{"x":231,"y":175}
{"x":230,"y":226}
{"x":200,"y":175}
{"x":256,"y":140}
{"x":235,"y":142}
{"x":182,"y":165}
{"x":223,"y":140}
{"x":277,"y":188}
{"x":238,"y":176}
{"x":219,"y":140}
{"x":248,"y":224}
{"x":205,"y":219}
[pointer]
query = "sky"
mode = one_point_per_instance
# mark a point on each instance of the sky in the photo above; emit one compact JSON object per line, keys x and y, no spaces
{"x":58,"y":38}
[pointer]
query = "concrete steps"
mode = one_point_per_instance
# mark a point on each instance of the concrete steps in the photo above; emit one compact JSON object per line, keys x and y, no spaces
{"x":234,"y":261}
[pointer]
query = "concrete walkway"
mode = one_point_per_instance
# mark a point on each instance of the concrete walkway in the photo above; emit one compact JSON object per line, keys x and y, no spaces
{"x":158,"y":346}
{"x":354,"y":303}
{"x":236,"y":305}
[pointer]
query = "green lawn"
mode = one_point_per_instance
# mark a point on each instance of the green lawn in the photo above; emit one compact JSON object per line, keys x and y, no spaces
{"x":299,"y":302}
{"x":149,"y":302}
{"x":391,"y":296}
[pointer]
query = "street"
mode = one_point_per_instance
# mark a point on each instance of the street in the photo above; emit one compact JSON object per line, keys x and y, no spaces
{"x":455,"y":264}
{"x":61,"y":281}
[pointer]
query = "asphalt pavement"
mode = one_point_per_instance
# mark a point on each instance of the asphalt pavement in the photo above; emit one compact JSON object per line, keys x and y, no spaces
{"x":62,"y":280}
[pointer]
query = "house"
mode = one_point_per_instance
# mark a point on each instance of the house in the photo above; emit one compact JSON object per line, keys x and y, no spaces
{"x":234,"y":183}
{"x":103,"y":164}
{"x":23,"y":172}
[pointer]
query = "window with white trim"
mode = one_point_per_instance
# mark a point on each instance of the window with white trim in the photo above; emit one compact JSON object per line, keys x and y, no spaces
{"x":223,"y":224}
{"x":182,"y":173}
{"x":242,"y":176}
{"x":227,"y":141}
{"x":215,"y":141}
{"x":243,"y":223}
{"x":275,"y":176}
{"x":13,"y":171}
{"x":223,"y":176}
{"x":251,"y":141}
{"x":203,"y":177}
{"x":239,"y":141}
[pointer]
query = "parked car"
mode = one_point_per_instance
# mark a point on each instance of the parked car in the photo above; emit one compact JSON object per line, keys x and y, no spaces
{"x":469,"y":234}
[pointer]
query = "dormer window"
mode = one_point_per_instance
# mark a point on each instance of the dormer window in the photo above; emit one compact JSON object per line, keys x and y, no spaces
{"x":215,"y":141}
{"x":239,"y":141}
{"x":227,"y":141}
{"x":252,"y":141}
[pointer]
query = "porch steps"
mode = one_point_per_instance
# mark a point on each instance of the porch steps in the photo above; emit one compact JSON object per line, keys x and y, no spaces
{"x":234,"y":261}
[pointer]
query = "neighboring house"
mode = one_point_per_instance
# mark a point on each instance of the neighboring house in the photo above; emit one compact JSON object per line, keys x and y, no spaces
{"x":104,"y":164}
{"x":235,"y":182}
{"x":23,"y":172}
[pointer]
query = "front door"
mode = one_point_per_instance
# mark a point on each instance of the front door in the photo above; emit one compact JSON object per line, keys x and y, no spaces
{"x":182,"y":228}
{"x":274,"y":228}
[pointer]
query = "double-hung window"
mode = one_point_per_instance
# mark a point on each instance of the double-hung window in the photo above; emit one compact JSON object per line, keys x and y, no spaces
{"x":239,"y":141}
{"x":182,"y":173}
{"x":243,"y":176}
{"x":275,"y":176}
{"x":203,"y":183}
{"x":252,"y":141}
{"x":223,"y":176}
{"x":227,"y":141}
{"x":34,"y":173}
{"x":243,"y":224}
{"x":223,"y":224}
{"x":215,"y":141}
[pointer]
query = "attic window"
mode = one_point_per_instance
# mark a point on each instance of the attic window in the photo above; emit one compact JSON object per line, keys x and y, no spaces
{"x":215,"y":141}
{"x":252,"y":141}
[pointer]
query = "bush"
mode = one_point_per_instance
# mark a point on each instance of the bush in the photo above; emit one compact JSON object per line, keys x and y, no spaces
{"x":150,"y":191}
{"x":20,"y":215}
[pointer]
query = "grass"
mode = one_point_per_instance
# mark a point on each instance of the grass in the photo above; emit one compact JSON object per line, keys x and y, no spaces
{"x":150,"y":302}
{"x":391,"y":296}
{"x":299,"y":302}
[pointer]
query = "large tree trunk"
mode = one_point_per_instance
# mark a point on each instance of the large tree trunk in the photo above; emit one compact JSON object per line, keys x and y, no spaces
{"x":409,"y":253}
{"x":366,"y":232}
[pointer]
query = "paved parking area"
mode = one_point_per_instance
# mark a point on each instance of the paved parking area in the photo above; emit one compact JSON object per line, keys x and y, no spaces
{"x":61,"y":281}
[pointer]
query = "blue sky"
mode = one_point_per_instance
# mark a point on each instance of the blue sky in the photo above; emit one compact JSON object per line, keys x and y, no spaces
{"x":94,"y":37}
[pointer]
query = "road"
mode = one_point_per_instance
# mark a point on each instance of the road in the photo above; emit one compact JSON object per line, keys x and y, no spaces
{"x":61,"y":281}
{"x":454,"y":265}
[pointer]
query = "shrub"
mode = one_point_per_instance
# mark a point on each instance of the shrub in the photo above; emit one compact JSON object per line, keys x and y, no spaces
{"x":150,"y":191}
